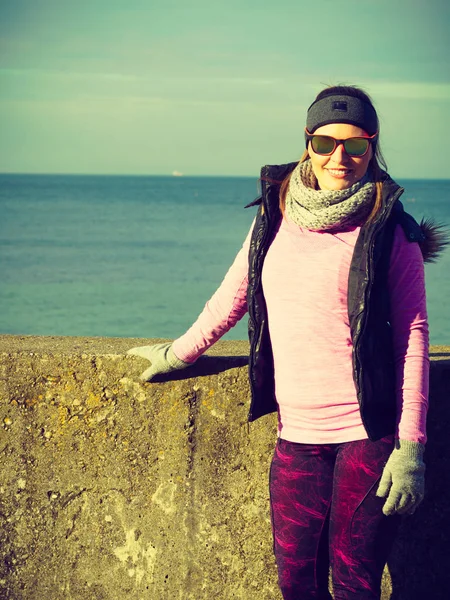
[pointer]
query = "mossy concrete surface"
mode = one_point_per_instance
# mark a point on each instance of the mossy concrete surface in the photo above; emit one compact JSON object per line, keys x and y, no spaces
{"x":114,"y":489}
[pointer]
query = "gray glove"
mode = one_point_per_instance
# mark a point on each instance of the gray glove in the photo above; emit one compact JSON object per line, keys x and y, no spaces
{"x":162,"y":358}
{"x":403,"y":478}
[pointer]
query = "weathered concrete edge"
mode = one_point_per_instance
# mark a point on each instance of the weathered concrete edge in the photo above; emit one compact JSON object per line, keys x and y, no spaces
{"x":101,"y":346}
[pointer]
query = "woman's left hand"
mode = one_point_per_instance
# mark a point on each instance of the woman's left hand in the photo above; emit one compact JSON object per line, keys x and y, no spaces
{"x":403,"y":478}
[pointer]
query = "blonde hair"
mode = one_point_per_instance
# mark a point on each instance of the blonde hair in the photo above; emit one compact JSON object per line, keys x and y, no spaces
{"x":376,"y":164}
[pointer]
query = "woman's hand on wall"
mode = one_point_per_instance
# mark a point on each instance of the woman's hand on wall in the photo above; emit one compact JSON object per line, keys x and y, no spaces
{"x":162,"y":358}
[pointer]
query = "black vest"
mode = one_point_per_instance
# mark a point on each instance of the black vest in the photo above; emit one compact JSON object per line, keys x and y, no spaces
{"x":368,"y":305}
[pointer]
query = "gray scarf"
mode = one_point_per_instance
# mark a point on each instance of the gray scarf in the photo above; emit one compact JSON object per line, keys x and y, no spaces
{"x":327,"y":210}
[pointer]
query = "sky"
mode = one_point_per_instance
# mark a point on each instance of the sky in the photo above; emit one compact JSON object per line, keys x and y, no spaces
{"x":207,"y":87}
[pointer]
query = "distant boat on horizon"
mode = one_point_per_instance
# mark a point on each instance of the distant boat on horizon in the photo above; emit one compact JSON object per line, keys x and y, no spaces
{"x":177,"y":174}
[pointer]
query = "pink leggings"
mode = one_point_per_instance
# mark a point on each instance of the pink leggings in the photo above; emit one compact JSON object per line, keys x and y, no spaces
{"x":325,"y":512}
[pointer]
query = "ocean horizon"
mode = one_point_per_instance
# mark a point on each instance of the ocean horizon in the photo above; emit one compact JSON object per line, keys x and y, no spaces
{"x":183,"y":175}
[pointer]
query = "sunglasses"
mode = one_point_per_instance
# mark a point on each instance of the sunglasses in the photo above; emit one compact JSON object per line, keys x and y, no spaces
{"x":326,"y":145}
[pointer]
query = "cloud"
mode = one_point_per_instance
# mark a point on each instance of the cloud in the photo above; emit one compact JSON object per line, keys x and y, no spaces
{"x":121,"y":77}
{"x":412,"y":90}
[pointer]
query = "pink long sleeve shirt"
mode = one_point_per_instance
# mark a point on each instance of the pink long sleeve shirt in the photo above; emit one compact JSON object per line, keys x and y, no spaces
{"x":305,"y":279}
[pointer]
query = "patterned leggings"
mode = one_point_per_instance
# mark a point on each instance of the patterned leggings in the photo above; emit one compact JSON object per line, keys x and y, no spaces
{"x":325,"y":512}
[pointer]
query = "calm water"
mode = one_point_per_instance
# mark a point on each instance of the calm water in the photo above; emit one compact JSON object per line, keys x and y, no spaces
{"x":140,"y":256}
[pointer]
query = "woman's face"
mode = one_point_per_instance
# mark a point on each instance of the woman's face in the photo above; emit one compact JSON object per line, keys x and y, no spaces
{"x":339,"y":171}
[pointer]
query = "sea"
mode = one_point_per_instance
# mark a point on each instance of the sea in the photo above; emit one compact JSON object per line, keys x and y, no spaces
{"x":139,"y":256}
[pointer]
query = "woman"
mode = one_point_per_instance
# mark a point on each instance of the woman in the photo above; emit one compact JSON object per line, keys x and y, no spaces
{"x":332,"y":276}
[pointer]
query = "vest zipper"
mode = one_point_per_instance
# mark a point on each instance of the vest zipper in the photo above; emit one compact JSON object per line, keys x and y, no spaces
{"x":370,"y":277}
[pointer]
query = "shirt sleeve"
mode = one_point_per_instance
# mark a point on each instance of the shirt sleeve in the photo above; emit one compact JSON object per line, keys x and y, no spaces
{"x":409,"y":323}
{"x":224,"y":309}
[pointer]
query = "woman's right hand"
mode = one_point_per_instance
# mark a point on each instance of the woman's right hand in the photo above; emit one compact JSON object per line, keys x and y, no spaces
{"x":162,"y":358}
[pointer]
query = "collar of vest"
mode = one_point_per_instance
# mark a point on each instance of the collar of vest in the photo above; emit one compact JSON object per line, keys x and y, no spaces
{"x":274,"y":174}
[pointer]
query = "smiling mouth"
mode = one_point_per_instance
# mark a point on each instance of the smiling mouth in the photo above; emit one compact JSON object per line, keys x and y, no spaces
{"x":339,"y":172}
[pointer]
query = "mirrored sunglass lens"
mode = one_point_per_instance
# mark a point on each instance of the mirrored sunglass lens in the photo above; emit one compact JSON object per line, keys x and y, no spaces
{"x":356,"y":146}
{"x":322,"y":144}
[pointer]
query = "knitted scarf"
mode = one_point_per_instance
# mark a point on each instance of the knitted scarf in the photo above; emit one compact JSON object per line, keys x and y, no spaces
{"x":327,"y":210}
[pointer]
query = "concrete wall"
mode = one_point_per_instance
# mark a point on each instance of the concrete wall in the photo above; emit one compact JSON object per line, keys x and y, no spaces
{"x":113,"y":489}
